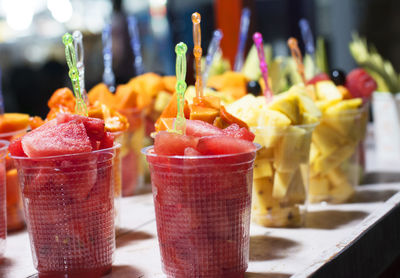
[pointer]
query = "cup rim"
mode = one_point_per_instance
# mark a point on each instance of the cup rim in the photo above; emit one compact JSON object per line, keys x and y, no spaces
{"x":304,"y":126}
{"x":145,"y":151}
{"x":114,"y":147}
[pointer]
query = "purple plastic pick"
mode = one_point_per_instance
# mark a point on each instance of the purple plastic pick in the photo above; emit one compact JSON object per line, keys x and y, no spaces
{"x":258,"y":41}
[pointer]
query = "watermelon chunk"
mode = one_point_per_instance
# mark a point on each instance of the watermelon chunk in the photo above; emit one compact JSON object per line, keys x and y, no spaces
{"x":94,"y":127}
{"x":191,"y":152}
{"x":51,"y":140}
{"x":235,"y":131}
{"x":360,"y":83}
{"x":15,"y":147}
{"x":168,"y":143}
{"x":107,"y":141}
{"x":224,"y":145}
{"x":200,"y":129}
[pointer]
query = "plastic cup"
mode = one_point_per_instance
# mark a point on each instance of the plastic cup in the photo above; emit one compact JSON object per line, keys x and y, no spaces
{"x":202,"y":207}
{"x":69,"y":209}
{"x":280,"y":178}
{"x":131,"y":143}
{"x":15,"y":213}
{"x":335,"y":156}
{"x":3,"y":219}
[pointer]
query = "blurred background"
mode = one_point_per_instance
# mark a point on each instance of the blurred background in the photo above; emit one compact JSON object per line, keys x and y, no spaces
{"x":32,"y":55}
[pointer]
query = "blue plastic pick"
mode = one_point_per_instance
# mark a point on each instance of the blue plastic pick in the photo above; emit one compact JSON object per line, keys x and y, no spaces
{"x":108,"y":74}
{"x":244,"y":28}
{"x":135,"y":44}
{"x":211,"y":51}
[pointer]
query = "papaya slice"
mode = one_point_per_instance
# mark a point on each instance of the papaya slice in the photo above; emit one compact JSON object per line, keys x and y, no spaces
{"x":101,"y":93}
{"x":205,"y":114}
{"x":13,"y":121}
{"x":169,"y":83}
{"x":230,"y":119}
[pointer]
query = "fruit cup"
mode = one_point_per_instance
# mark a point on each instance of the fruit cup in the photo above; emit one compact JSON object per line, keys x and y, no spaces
{"x":69,"y":209}
{"x":202,"y":206}
{"x":335,"y":155}
{"x":131,"y":143}
{"x":3,"y":219}
{"x":15,"y":214}
{"x":280,"y":178}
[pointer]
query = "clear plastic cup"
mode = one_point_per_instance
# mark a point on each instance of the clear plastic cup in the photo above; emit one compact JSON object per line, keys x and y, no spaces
{"x":280,"y":176}
{"x":335,"y":164}
{"x":131,"y":143}
{"x":202,"y":207}
{"x":3,"y":218}
{"x":69,"y":209}
{"x":15,"y":211}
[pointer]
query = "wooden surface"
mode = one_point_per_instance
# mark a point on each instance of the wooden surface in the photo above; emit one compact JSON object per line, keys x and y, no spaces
{"x":330,"y":230}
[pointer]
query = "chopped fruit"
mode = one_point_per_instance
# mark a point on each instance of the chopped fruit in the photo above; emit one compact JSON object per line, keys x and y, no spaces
{"x":345,"y":92}
{"x":125,"y":97}
{"x":61,"y":139}
{"x":360,"y":83}
{"x":191,"y":152}
{"x":287,"y":104}
{"x":200,"y":129}
{"x":94,"y":127}
{"x":169,"y":143}
{"x":35,"y":122}
{"x":107,"y":141}
{"x":215,"y":145}
{"x":231,"y":119}
{"x":169,"y":83}
{"x":101,"y":93}
{"x":15,"y":148}
{"x":13,"y":121}
{"x":236,"y":131}
{"x":205,"y":114}
{"x":327,"y":90}
{"x":318,"y":78}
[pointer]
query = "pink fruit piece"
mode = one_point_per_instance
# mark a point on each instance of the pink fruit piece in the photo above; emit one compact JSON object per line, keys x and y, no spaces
{"x":317,"y":78}
{"x":200,"y":129}
{"x":168,"y":143}
{"x":191,"y":152}
{"x":94,"y":127}
{"x":214,"y":145}
{"x":52,"y":140}
{"x":360,"y":83}
{"x":107,"y":141}
{"x":15,"y":148}
{"x":235,"y":131}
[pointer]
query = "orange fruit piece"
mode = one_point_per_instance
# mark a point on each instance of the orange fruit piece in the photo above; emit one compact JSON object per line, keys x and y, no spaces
{"x":13,"y":121}
{"x":230,"y":119}
{"x":206,"y":114}
{"x":101,"y":93}
{"x":169,"y":83}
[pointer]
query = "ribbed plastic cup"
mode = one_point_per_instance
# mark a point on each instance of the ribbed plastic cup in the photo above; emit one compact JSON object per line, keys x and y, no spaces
{"x":131,"y":143}
{"x":335,"y":156}
{"x":69,"y":209}
{"x":202,"y":206}
{"x":15,"y":211}
{"x":281,"y":172}
{"x":3,"y":220}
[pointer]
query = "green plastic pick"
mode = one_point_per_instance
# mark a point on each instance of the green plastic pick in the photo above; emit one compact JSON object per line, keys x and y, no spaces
{"x":70,"y":55}
{"x":180,"y":50}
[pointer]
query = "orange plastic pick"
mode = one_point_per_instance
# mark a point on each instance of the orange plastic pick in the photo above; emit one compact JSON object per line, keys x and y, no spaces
{"x":298,"y":58}
{"x":197,"y":52}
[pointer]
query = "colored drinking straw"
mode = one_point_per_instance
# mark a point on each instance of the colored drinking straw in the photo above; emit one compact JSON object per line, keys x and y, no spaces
{"x":258,"y":41}
{"x":108,"y":74}
{"x":135,"y":44}
{"x":180,"y":50}
{"x":78,"y":45}
{"x":244,"y":28}
{"x":80,"y":105}
{"x":197,"y":52}
{"x":211,"y":51}
{"x":308,"y":39}
{"x":1,"y":96}
{"x":296,"y":54}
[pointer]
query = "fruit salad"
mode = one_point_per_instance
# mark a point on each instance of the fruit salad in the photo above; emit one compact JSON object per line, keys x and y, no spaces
{"x":202,"y":195}
{"x":334,"y":156}
{"x":13,"y":125}
{"x":65,"y":170}
{"x":283,"y":128}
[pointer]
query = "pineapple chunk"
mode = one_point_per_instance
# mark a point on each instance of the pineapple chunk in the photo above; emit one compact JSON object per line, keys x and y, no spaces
{"x":265,"y":153}
{"x":262,"y":195}
{"x":245,"y":109}
{"x":279,"y":217}
{"x":287,"y":104}
{"x":326,"y":139}
{"x":293,"y":149}
{"x":318,"y":189}
{"x":282,"y":181}
{"x":273,"y":118}
{"x":262,"y":168}
{"x":162,"y":100}
{"x":325,"y":104}
{"x":326,"y":90}
{"x":323,"y":164}
{"x":344,"y":106}
{"x":296,"y":193}
{"x":308,"y":119}
{"x":307,"y":105}
{"x":314,"y":153}
{"x":342,"y":190}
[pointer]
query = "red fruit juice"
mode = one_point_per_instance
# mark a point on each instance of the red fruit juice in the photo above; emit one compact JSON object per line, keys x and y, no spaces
{"x":69,"y":208}
{"x":202,"y":206}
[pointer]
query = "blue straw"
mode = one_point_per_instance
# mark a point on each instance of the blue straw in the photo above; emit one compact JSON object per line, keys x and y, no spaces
{"x":108,"y":74}
{"x":211,"y":51}
{"x":307,"y":36}
{"x":244,"y":28}
{"x":135,"y":44}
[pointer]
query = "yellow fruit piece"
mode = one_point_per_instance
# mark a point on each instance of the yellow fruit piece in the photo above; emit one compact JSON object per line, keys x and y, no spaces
{"x":262,"y":195}
{"x":273,"y":118}
{"x":265,"y":153}
{"x":327,"y":139}
{"x":347,"y":105}
{"x":318,"y":189}
{"x":271,"y":125}
{"x":341,"y":190}
{"x":306,"y":104}
{"x":245,"y":109}
{"x":262,"y":168}
{"x":323,"y":164}
{"x":308,"y":118}
{"x":345,"y":92}
{"x":314,"y":153}
{"x":162,"y":100}
{"x":292,"y":150}
{"x":326,"y":90}
{"x":287,"y":104}
{"x":282,"y":181}
{"x":324,"y":104}
{"x":279,"y":217}
{"x":296,"y":193}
